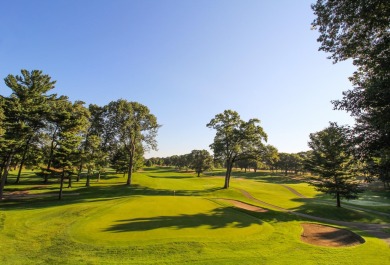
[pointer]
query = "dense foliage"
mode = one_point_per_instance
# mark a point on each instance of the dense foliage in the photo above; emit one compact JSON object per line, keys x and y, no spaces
{"x":360,"y":31}
{"x":62,"y":137}
{"x":332,"y":161}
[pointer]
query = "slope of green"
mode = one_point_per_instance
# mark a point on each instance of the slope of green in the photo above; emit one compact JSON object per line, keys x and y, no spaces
{"x":180,"y":218}
{"x":166,"y":217}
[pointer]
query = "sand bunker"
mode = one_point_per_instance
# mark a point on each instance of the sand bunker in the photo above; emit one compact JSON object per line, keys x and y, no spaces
{"x":328,"y":236}
{"x":245,"y":206}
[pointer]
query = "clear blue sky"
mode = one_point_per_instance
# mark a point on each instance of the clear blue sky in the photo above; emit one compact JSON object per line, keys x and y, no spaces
{"x":185,"y":60}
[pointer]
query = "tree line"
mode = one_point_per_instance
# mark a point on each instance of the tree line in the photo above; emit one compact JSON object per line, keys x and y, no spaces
{"x":198,"y":160}
{"x":65,"y":137}
{"x":202,"y":160}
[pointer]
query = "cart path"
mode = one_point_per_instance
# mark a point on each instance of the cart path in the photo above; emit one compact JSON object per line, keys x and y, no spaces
{"x":375,"y":230}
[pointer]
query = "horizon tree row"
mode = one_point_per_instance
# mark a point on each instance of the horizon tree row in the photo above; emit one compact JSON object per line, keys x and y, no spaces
{"x":270,"y":160}
{"x":198,"y":160}
{"x":64,"y":137}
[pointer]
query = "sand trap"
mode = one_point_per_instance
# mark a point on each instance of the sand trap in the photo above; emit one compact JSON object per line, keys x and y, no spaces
{"x":245,"y":206}
{"x":322,"y":235}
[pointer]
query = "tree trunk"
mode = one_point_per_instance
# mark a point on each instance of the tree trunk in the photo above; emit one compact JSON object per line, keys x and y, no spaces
{"x":70,"y":181}
{"x":5,"y":175}
{"x":46,"y":178}
{"x":87,"y":184}
{"x":336,"y":181}
{"x":3,"y":165}
{"x":338,"y":199}
{"x":2,"y":184}
{"x":79,"y":172}
{"x":198,"y":173}
{"x":227,"y":182}
{"x":130,"y":168}
{"x":22,"y":162}
{"x":61,"y":183}
{"x":98,"y":179}
{"x":50,"y":156}
{"x":228,"y":174}
{"x":52,"y":146}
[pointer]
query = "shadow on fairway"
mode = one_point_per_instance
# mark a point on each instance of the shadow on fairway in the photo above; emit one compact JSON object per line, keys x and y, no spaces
{"x":218,"y":218}
{"x":157,"y":169}
{"x":318,"y":206}
{"x":261,"y":176}
{"x":92,"y":194}
{"x":171,"y":177}
{"x":267,"y":177}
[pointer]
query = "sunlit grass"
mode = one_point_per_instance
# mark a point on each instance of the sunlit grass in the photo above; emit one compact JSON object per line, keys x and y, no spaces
{"x":169,"y":217}
{"x":137,"y":220}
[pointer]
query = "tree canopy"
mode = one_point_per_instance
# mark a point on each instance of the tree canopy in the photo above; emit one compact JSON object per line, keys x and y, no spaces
{"x":360,"y":31}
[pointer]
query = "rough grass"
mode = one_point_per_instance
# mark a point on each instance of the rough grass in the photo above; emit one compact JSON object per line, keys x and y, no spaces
{"x":168,"y":217}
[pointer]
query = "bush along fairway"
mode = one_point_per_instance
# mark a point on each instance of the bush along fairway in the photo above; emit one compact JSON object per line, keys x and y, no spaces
{"x":172,"y":217}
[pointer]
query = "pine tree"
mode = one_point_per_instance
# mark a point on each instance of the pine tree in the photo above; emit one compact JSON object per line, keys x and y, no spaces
{"x":331,"y":160}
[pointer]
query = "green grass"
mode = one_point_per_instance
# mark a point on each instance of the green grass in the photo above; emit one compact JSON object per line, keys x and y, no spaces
{"x":198,"y":217}
{"x":171,"y":217}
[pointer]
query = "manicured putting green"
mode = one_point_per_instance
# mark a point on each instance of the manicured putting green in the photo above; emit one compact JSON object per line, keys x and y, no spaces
{"x":158,"y":218}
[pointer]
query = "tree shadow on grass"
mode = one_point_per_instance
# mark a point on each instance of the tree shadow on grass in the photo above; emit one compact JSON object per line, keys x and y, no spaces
{"x":157,"y":169}
{"x":218,"y":218}
{"x":16,"y":188}
{"x":171,"y":177}
{"x":261,"y":176}
{"x":146,"y":191}
{"x":327,"y":209}
{"x":268,"y":177}
{"x":91,"y":194}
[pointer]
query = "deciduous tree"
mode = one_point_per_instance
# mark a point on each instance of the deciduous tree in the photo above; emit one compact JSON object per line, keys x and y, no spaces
{"x":93,"y":152}
{"x":270,"y":157}
{"x":200,"y":161}
{"x":236,"y":139}
{"x":133,"y":128}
